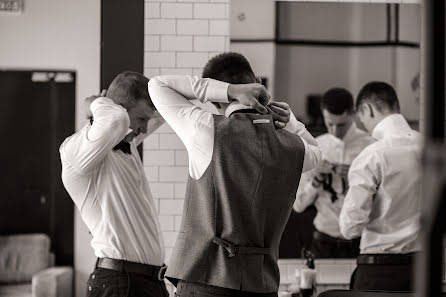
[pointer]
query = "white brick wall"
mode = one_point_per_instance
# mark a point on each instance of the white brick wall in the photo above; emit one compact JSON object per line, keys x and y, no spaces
{"x":180,"y":37}
{"x":209,"y":43}
{"x":176,"y":10}
{"x":176,"y":43}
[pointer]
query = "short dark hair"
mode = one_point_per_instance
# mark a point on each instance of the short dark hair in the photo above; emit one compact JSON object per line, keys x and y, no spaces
{"x":229,"y":67}
{"x":128,"y":87}
{"x":337,"y":101}
{"x":380,"y":94}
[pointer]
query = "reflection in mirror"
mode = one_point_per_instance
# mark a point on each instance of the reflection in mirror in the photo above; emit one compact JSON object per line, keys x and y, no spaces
{"x":303,"y":49}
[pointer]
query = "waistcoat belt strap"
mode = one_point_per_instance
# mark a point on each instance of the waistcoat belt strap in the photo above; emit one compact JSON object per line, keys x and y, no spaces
{"x":234,"y":249}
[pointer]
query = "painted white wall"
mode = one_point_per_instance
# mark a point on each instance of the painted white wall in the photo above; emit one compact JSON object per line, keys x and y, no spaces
{"x":61,"y":35}
{"x":296,"y":71}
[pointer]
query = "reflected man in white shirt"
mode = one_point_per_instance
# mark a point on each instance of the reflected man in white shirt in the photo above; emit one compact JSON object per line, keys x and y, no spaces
{"x":243,"y":177}
{"x":103,"y":173}
{"x":382,"y":204}
{"x":326,"y":185}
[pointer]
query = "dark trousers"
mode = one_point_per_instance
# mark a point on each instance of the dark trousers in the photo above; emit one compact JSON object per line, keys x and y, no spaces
{"x":191,"y":289}
{"x":325,"y":246}
{"x":383,"y":277}
{"x":110,"y":283}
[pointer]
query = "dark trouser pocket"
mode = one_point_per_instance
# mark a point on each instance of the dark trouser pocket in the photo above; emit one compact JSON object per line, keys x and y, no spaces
{"x":107,"y":283}
{"x":95,"y":289}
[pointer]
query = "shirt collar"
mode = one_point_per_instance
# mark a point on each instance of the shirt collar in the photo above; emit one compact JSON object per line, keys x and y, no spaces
{"x":234,"y":106}
{"x":393,"y":124}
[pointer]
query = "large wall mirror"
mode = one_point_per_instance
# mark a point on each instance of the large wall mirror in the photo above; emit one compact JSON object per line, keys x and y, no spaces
{"x":302,"y":49}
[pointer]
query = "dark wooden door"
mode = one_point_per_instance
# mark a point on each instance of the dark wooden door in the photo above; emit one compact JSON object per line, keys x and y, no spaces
{"x":36,"y":115}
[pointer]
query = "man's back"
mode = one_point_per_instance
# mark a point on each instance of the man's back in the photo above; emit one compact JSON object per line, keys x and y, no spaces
{"x":396,"y":208}
{"x":389,"y":168}
{"x":247,"y":193}
{"x":243,"y":177}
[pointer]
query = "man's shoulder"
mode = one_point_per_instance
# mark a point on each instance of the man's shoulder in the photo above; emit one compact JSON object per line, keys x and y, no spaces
{"x":373,"y":151}
{"x":70,"y":141}
{"x":325,"y":141}
{"x":71,"y":144}
{"x":324,"y":138}
{"x":363,"y":137}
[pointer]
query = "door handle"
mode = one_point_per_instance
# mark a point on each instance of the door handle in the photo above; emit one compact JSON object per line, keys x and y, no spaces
{"x":42,"y":199}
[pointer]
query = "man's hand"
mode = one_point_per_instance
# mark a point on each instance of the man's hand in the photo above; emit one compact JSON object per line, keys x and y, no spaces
{"x":281,"y":113}
{"x":88,"y":102}
{"x":322,"y":169}
{"x":341,"y":170}
{"x":253,"y":95}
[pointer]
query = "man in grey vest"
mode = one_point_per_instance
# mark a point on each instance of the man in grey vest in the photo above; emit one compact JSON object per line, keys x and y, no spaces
{"x":243,"y":178}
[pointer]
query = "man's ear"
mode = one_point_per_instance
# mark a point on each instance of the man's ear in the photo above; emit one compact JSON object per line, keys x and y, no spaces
{"x":368,"y":109}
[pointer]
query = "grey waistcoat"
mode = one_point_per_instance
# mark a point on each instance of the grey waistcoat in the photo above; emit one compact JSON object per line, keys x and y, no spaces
{"x":235,"y":214}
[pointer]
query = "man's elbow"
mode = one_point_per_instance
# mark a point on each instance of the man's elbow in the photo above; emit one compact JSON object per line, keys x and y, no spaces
{"x":120,"y":123}
{"x":349,"y":232}
{"x":298,"y":207}
{"x":316,"y":157}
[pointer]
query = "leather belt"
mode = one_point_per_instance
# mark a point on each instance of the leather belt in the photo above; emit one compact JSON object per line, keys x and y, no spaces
{"x":156,"y":272}
{"x":386,"y":259}
{"x":322,"y":236}
{"x":234,"y":249}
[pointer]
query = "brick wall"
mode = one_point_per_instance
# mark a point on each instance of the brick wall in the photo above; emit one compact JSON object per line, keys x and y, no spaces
{"x":180,"y":37}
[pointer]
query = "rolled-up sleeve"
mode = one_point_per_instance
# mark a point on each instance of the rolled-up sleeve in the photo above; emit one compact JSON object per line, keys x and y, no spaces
{"x":364,"y":178}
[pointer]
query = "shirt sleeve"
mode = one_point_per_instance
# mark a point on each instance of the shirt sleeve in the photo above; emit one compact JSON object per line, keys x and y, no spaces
{"x":110,"y":125}
{"x":306,"y":193}
{"x":171,"y":95}
{"x":313,"y":153}
{"x":364,"y":178}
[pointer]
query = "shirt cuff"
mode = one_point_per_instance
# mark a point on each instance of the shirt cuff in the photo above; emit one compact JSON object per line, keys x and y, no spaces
{"x":217,"y":91}
{"x":295,"y":127}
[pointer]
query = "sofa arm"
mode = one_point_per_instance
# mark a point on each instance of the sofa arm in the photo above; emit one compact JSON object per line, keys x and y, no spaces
{"x":53,"y":282}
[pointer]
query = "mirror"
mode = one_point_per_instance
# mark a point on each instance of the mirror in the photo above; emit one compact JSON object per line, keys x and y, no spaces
{"x":302,"y":49}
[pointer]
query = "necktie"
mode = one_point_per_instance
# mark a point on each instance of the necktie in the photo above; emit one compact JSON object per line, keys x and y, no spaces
{"x":123,"y":146}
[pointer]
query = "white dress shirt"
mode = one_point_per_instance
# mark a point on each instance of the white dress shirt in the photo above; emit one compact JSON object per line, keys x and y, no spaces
{"x":382,"y":204}
{"x":195,"y":126}
{"x":110,"y":188}
{"x":336,"y":151}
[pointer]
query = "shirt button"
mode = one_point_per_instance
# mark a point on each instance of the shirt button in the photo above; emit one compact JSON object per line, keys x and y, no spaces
{"x":93,"y":276}
{"x":89,"y":288}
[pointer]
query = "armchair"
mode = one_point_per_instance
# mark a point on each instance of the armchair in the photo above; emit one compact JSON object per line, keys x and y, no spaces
{"x":27,"y":268}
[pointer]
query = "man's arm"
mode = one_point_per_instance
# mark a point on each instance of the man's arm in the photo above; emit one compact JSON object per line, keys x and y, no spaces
{"x":171,"y":95}
{"x":306,"y":193}
{"x":364,"y":179}
{"x":313,"y":153}
{"x":110,"y":125}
